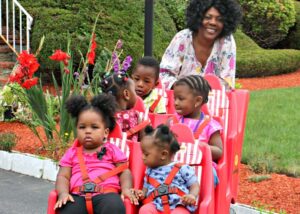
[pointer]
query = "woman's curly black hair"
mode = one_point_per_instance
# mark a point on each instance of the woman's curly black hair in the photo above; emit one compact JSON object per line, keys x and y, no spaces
{"x":163,"y":137}
{"x":197,"y":83}
{"x":230,"y":11}
{"x":114,"y":84}
{"x":104,"y":104}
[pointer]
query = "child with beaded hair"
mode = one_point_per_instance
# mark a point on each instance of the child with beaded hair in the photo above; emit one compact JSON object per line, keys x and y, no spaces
{"x":123,"y":89}
{"x":190,"y":93}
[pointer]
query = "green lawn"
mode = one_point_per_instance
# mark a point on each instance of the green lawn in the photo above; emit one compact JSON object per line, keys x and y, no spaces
{"x":272,"y":136}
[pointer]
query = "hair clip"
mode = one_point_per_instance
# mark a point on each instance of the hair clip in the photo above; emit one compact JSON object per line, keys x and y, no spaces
{"x":101,"y":153}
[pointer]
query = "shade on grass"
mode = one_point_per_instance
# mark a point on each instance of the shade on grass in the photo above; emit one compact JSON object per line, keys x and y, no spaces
{"x":272,"y":136}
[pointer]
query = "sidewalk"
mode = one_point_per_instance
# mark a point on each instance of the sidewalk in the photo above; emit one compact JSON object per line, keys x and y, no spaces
{"x":23,"y":194}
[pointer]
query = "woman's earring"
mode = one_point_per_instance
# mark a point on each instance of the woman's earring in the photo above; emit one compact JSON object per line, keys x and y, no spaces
{"x":104,"y":139}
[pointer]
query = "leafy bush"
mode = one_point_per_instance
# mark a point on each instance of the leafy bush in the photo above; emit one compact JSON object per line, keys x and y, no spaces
{"x":253,"y":61}
{"x":118,"y":20}
{"x":267,"y":21}
{"x":176,"y":9}
{"x":7,"y":141}
{"x":292,"y":40}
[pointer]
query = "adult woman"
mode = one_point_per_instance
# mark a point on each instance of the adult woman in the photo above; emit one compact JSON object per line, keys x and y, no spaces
{"x":207,"y":45}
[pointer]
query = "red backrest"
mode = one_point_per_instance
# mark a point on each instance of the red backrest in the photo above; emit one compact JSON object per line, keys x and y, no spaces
{"x":198,"y":155}
{"x":139,"y":104}
{"x":157,"y":119}
{"x":183,"y":133}
{"x":116,"y":133}
{"x":171,"y":103}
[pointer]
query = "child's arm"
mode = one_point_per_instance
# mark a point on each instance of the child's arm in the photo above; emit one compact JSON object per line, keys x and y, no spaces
{"x":190,"y":199}
{"x":62,"y":186}
{"x":126,"y":185}
{"x":216,"y":146}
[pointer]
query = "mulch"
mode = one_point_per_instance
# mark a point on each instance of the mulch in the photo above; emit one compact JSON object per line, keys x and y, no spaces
{"x":278,"y":81}
{"x":279,"y":193}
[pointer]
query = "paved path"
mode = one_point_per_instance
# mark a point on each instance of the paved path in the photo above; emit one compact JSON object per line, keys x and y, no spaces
{"x":28,"y":195}
{"x":23,"y":194}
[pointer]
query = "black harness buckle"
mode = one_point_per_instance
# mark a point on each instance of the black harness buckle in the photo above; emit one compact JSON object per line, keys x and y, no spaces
{"x":163,"y":189}
{"x":89,"y":187}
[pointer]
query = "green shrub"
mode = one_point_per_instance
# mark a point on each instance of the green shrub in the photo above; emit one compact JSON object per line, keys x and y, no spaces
{"x":267,"y":21}
{"x":176,"y":9}
{"x":7,"y":141}
{"x":253,"y":61}
{"x":119,"y":19}
{"x":292,"y":40}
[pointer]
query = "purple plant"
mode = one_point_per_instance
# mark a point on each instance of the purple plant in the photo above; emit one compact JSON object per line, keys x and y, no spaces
{"x":115,"y":61}
{"x":119,"y":44}
{"x":127,"y":63}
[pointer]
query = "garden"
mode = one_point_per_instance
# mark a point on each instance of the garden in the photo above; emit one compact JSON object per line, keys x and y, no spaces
{"x":268,"y":65}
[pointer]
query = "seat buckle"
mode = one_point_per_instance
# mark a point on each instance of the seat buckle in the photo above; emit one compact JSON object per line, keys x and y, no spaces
{"x":89,"y":187}
{"x":163,"y":189}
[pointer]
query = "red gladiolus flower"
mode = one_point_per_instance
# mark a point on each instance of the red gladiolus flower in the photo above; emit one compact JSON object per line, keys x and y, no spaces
{"x":59,"y":55}
{"x":27,"y":84}
{"x":28,"y":63}
{"x":23,"y":73}
{"x":91,"y":55}
{"x":67,"y":71}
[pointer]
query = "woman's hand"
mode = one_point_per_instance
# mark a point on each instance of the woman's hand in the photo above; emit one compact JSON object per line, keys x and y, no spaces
{"x":129,"y":193}
{"x":63,"y":198}
{"x":188,"y":199}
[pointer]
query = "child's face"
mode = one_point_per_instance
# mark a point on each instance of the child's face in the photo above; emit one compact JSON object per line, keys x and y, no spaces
{"x":145,"y":80}
{"x":152,"y":155}
{"x":131,"y":94}
{"x":186,"y":102}
{"x":91,"y":130}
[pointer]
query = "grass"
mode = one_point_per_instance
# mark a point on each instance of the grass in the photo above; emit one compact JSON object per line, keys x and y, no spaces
{"x":258,"y":178}
{"x":264,"y":209}
{"x":272,"y":139}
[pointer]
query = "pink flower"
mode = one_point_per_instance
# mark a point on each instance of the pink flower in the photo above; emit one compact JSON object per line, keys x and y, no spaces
{"x":181,"y":47}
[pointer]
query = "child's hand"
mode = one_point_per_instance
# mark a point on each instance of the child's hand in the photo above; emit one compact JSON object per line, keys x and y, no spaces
{"x":63,"y":198}
{"x":129,"y":193}
{"x":188,"y":199}
{"x":139,"y":194}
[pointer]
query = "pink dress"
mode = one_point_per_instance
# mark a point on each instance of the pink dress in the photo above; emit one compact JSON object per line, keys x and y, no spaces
{"x":212,"y":127}
{"x":95,"y":167}
{"x":128,"y":119}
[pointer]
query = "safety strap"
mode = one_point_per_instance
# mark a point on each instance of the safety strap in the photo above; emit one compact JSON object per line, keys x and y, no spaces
{"x":171,"y":190}
{"x":137,"y":128}
{"x":99,"y":179}
{"x":201,"y":127}
{"x":154,"y":104}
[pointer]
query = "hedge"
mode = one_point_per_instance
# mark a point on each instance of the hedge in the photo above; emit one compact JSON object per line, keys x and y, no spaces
{"x":125,"y":20}
{"x":267,"y":21}
{"x":119,"y":19}
{"x":253,"y":61}
{"x":292,"y":40}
